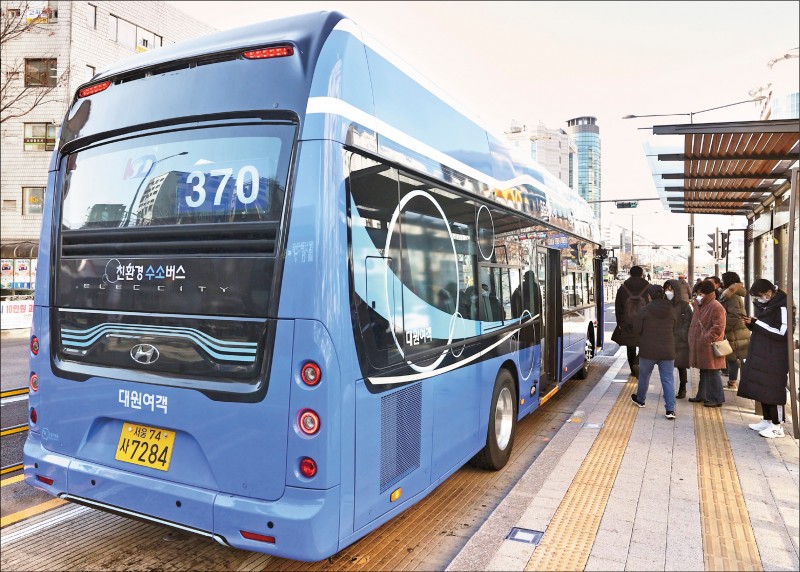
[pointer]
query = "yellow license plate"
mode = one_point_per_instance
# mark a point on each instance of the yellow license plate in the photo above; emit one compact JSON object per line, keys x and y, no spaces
{"x":145,"y":446}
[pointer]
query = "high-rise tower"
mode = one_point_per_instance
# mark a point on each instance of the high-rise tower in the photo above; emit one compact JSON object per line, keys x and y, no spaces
{"x":585,"y":133}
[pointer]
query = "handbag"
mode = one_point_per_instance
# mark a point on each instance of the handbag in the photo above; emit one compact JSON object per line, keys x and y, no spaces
{"x":720,"y":348}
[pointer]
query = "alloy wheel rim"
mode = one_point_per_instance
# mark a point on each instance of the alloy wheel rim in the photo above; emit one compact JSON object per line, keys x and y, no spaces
{"x":503,"y":418}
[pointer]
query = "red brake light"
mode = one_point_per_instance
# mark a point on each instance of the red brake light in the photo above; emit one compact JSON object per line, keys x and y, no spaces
{"x":45,"y":480}
{"x":273,"y":52}
{"x":308,"y":421}
{"x":92,"y":89}
{"x":35,"y":345}
{"x":311,"y":373}
{"x":34,"y":382}
{"x":34,"y":417}
{"x":259,"y":537}
{"x":308,"y":467}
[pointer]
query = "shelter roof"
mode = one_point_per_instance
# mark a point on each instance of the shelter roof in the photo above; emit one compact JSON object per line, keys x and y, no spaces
{"x":736,"y":168}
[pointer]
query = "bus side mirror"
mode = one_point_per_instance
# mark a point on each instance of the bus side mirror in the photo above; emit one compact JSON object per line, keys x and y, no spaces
{"x":612,"y":265}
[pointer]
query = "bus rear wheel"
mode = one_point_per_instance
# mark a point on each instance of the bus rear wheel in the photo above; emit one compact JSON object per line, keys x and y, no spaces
{"x":588,"y":354}
{"x":502,"y":424}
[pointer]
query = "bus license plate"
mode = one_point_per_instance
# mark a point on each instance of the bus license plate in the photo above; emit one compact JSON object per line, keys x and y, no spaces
{"x":145,"y":446}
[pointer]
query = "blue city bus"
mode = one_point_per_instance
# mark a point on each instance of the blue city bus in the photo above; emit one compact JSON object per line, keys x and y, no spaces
{"x":290,"y":288}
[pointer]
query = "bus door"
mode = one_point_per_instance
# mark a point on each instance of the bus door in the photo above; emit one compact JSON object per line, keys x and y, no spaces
{"x":599,"y":300}
{"x":548,"y":273}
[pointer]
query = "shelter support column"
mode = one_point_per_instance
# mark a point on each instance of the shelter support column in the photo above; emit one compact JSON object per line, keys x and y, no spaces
{"x":791,"y":296}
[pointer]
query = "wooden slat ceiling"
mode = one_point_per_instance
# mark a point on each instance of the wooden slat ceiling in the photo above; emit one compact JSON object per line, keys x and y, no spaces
{"x":731,"y":168}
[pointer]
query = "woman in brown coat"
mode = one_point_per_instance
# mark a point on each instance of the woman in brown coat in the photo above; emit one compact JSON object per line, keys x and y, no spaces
{"x":736,"y":332}
{"x":708,"y":325}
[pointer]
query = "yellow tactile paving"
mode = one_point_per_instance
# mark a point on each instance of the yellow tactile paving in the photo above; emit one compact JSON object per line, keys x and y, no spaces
{"x":569,"y":538}
{"x":728,"y":540}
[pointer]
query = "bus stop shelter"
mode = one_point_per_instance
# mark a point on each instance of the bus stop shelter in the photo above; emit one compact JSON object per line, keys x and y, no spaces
{"x":747,"y":168}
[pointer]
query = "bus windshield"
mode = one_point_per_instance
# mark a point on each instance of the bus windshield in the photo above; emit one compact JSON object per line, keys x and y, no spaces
{"x":220,"y":174}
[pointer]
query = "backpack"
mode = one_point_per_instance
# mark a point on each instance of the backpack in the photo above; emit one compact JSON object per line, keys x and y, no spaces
{"x":633,"y":303}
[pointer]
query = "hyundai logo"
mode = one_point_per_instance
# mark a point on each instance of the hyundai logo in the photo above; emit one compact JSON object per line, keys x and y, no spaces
{"x":144,"y":353}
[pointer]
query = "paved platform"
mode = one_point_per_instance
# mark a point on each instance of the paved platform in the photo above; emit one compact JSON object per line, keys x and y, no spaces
{"x":623,"y":488}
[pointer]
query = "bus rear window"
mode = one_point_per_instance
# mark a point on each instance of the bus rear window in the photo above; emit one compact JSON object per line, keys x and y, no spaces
{"x":209,"y":175}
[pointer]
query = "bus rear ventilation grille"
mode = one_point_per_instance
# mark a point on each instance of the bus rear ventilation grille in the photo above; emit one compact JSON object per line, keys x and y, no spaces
{"x":242,"y":239}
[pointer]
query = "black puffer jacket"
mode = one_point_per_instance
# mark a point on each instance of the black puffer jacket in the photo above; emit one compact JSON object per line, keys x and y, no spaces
{"x":764,"y":374}
{"x":682,"y":307}
{"x":655,"y":325}
{"x":623,"y":333}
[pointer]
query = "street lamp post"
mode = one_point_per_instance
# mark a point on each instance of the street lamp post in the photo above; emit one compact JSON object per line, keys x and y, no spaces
{"x":691,"y":115}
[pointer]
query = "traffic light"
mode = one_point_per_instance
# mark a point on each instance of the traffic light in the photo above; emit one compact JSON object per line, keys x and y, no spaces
{"x":723,"y":245}
{"x":626,"y":204}
{"x":713,"y":244}
{"x":612,"y":265}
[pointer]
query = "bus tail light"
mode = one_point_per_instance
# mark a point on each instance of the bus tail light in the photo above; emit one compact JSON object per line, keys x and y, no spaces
{"x":34,"y":416}
{"x":256,"y":536}
{"x":311,"y":374}
{"x":272,"y":52}
{"x":308,"y":421}
{"x":33,"y":382}
{"x":92,"y":89}
{"x":308,"y":467}
{"x":45,"y":480}
{"x":34,"y":345}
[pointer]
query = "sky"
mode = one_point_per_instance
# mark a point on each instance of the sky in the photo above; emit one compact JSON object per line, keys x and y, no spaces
{"x":553,"y":61}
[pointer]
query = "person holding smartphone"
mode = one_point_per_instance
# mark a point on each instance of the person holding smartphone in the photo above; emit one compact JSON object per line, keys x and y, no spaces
{"x":765,"y":371}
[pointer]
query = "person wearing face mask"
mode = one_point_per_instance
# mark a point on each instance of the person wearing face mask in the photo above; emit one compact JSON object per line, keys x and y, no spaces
{"x":655,"y":324}
{"x":708,"y":325}
{"x":678,"y":295}
{"x":765,"y":371}
{"x":736,"y":332}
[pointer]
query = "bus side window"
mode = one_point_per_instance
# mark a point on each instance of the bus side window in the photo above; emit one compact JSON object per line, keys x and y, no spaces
{"x":378,"y":296}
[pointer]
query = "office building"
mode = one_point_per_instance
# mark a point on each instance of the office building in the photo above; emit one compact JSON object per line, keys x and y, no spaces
{"x":585,"y":134}
{"x":550,"y":148}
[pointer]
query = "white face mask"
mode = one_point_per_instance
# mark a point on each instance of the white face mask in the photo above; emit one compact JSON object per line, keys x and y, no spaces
{"x":762,"y":300}
{"x":669,"y":294}
{"x":699,"y":299}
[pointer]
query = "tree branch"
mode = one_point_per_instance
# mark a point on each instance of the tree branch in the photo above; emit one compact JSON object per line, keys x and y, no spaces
{"x":16,"y":102}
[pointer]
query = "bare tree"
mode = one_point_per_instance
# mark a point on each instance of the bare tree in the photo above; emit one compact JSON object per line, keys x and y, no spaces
{"x":18,"y":96}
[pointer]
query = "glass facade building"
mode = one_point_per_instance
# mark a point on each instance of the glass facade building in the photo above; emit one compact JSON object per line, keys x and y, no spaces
{"x":585,"y":134}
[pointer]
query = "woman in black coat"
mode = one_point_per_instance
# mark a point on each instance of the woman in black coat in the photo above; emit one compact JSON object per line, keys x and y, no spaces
{"x":682,"y":307}
{"x":765,"y":372}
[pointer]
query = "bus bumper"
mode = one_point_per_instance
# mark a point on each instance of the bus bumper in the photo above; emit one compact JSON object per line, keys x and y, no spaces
{"x":302,"y":524}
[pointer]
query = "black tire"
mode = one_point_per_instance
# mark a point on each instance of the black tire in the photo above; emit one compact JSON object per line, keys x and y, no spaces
{"x":502,"y":425}
{"x":588,"y":354}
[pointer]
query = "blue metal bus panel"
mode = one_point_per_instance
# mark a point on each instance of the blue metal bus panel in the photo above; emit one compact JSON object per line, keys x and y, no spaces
{"x":312,"y":343}
{"x":305,"y":523}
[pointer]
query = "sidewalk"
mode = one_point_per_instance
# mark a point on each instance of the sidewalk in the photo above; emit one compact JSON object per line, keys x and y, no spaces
{"x":623,"y":488}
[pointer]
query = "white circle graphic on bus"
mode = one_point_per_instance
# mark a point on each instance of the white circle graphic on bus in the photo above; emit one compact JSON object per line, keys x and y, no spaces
{"x":457,"y":318}
{"x":519,"y":350}
{"x":389,"y":233}
{"x":483,"y":230}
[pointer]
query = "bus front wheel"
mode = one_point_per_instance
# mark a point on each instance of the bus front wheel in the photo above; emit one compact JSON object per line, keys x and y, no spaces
{"x":502,"y":424}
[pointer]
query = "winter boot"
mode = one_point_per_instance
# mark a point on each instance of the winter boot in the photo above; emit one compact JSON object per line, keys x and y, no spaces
{"x":681,"y":391}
